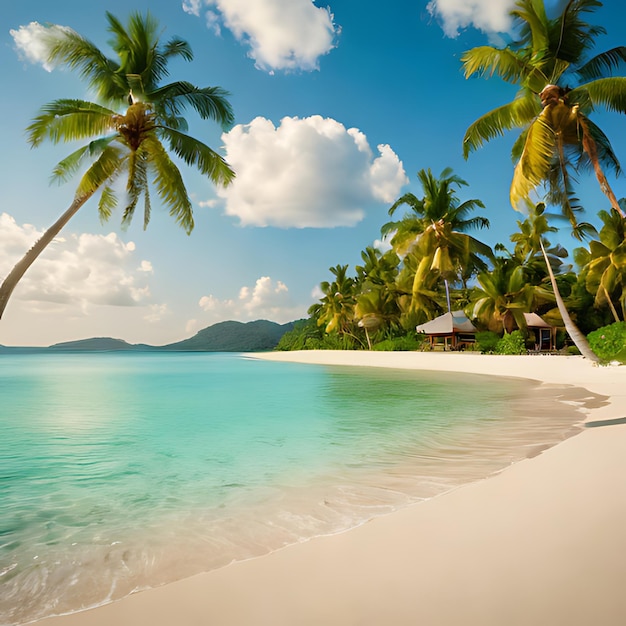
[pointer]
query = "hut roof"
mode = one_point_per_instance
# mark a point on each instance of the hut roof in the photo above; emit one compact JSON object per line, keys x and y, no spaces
{"x":447,"y":324}
{"x":534,"y":321}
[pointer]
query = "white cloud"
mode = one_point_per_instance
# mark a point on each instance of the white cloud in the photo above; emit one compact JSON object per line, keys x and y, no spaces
{"x":281,"y":34}
{"x":75,"y":271}
{"x":310,"y":172}
{"x":32,"y":42}
{"x":489,"y":16}
{"x":267,"y":299}
{"x":192,"y":6}
{"x":156,"y":312}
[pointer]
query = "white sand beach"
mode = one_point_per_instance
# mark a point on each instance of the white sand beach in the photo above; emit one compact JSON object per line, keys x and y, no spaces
{"x":540,"y":543}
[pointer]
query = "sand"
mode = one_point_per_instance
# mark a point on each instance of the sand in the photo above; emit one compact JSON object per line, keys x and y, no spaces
{"x":540,"y":543}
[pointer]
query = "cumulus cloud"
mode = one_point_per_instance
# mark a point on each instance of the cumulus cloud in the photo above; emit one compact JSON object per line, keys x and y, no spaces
{"x":485,"y":15}
{"x":78,"y":270}
{"x":281,"y":34}
{"x":267,"y":299}
{"x":310,"y":172}
{"x":33,"y":40}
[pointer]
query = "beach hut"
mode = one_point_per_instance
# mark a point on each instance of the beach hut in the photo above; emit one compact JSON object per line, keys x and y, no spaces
{"x":452,"y":331}
{"x":545,"y":334}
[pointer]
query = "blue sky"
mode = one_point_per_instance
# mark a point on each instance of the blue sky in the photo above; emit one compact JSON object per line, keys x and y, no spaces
{"x":337,"y":107}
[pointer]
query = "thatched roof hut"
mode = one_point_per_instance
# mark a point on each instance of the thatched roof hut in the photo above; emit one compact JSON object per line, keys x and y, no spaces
{"x":545,"y":334}
{"x":452,"y":330}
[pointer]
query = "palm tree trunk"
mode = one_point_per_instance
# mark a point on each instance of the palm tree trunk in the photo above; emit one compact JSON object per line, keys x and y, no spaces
{"x":445,"y":280}
{"x":590,"y":147}
{"x":14,"y":276}
{"x":608,"y":299}
{"x":580,"y":341}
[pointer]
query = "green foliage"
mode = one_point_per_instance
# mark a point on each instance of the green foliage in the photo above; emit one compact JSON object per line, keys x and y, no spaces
{"x":609,"y":342}
{"x":308,"y":335}
{"x":304,"y":335}
{"x":406,"y":343}
{"x":559,"y":84}
{"x":511,"y":343}
{"x":486,"y":341}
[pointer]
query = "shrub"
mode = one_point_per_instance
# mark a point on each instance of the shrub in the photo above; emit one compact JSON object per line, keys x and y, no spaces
{"x":513,"y":343}
{"x":486,"y":341}
{"x":404,"y":344}
{"x":609,"y":342}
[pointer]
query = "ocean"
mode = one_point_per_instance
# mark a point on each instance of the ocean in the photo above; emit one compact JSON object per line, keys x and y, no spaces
{"x":124,"y":471}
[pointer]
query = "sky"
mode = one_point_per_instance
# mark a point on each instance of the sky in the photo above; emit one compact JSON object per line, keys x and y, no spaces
{"x":337,"y":106}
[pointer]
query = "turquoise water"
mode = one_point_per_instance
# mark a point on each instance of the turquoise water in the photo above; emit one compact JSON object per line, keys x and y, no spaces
{"x":124,"y":471}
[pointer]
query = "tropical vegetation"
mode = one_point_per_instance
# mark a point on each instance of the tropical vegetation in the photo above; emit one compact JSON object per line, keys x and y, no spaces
{"x":560,"y":85}
{"x":131,"y":131}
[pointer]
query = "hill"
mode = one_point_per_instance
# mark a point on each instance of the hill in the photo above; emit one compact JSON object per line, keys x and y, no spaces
{"x":98,"y":344}
{"x":221,"y":337}
{"x":234,"y":337}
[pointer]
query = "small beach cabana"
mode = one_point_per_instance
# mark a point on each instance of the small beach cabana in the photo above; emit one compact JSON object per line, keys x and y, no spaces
{"x":452,"y":330}
{"x":545,"y":334}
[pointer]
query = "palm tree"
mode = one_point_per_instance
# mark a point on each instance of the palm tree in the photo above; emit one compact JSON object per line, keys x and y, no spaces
{"x":604,"y":264}
{"x":559,"y":87}
{"x":336,"y":309}
{"x":126,"y":129}
{"x":434,"y":232}
{"x":532,"y":238}
{"x":377,"y":292}
{"x":503,"y":294}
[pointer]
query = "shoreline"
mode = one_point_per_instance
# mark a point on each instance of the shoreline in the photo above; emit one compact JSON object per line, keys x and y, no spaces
{"x":539,"y":542}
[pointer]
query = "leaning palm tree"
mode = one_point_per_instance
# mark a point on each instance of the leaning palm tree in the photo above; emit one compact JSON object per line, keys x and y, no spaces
{"x":126,"y":129}
{"x":559,"y":88}
{"x":532,"y":238}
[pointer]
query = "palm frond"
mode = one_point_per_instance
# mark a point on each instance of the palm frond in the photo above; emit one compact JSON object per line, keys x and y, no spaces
{"x":530,"y":16}
{"x":208,"y":102}
{"x":603,"y":64}
{"x":169,"y":183}
{"x":105,"y":169}
{"x":409,"y":199}
{"x":518,"y":145}
{"x":607,"y":92}
{"x":66,"y":168}
{"x":69,"y":120}
{"x":197,"y":154}
{"x":489,"y":61}
{"x":77,"y":53}
{"x":605,"y":151}
{"x":517,"y":113}
{"x":137,"y":47}
{"x":535,"y":163}
{"x":570,"y":37}
{"x":107,"y":204}
{"x":135,"y":184}
{"x":176,"y":47}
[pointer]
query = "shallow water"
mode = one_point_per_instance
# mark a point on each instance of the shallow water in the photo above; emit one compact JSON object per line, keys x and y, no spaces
{"x":125,"y":471}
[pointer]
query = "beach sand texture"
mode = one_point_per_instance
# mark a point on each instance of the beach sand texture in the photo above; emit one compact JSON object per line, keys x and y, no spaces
{"x":540,"y":543}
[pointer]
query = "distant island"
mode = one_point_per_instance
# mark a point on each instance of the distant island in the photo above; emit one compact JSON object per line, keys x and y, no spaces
{"x":230,"y":336}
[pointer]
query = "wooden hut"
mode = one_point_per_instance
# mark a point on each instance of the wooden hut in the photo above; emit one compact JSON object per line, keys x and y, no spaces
{"x":452,"y":331}
{"x":545,"y":334}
